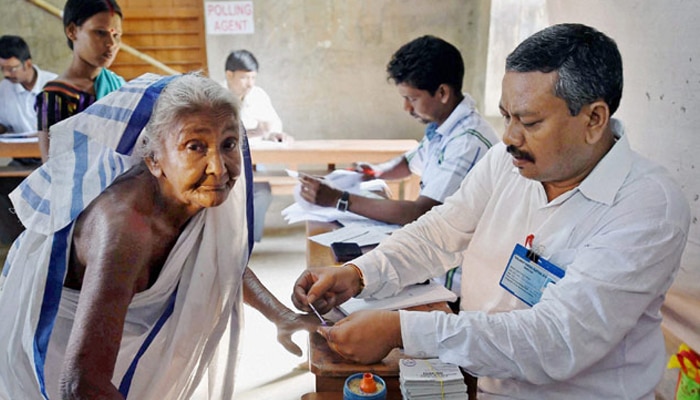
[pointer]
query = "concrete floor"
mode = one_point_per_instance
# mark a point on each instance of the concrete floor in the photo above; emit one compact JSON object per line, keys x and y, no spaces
{"x":266,"y":370}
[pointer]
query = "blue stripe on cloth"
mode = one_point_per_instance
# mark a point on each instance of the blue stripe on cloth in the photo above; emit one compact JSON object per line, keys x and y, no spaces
{"x":33,"y":199}
{"x":250,"y":211}
{"x":141,"y":115}
{"x":431,"y":130}
{"x":125,"y":385}
{"x":45,"y":175}
{"x":80,"y":152}
{"x":101,"y":172}
{"x":122,"y":167}
{"x":109,"y":112}
{"x":134,"y":88}
{"x":52,"y":297}
{"x":474,"y":160}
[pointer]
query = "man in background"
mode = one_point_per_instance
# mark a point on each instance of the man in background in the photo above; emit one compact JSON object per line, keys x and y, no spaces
{"x":23,"y":81}
{"x":428,"y":73}
{"x":259,"y":118}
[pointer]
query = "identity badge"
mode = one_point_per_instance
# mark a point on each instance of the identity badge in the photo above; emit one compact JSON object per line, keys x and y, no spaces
{"x":527,"y":275}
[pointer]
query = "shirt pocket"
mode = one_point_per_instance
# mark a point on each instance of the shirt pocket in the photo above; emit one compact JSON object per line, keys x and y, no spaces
{"x":563,"y":258}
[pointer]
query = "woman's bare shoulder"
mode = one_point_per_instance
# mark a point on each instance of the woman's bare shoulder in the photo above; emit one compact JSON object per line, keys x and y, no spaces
{"x":123,"y":236}
{"x":120,"y":214}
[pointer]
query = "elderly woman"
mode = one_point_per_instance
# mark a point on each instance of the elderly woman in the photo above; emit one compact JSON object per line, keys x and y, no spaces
{"x":128,"y":279}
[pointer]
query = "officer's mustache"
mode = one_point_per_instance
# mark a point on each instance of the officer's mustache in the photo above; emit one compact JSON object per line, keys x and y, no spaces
{"x":515,"y":152}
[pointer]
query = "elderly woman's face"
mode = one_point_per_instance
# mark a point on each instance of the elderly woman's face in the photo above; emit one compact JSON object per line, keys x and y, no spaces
{"x":200,"y":159}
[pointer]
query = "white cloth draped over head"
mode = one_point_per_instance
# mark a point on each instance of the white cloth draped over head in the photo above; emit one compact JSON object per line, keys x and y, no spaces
{"x":182,"y":329}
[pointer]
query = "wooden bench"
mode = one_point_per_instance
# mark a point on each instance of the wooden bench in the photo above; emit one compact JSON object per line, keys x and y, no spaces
{"x":12,"y":171}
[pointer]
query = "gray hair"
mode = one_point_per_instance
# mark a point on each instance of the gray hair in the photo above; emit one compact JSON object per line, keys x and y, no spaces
{"x":185,"y":95}
{"x":588,"y":64}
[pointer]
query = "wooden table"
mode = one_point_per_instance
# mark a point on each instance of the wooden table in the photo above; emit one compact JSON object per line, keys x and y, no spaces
{"x":19,"y":150}
{"x":329,"y":368}
{"x":300,"y":152}
{"x":318,"y":157}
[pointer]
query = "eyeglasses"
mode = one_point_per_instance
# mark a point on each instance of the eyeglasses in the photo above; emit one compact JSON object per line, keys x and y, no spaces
{"x":11,"y":69}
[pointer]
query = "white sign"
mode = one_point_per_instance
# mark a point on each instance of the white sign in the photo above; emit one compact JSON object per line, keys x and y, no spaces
{"x":229,"y":17}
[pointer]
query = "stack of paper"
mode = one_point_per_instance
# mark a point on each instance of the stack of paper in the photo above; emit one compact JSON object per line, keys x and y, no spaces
{"x":431,"y":379}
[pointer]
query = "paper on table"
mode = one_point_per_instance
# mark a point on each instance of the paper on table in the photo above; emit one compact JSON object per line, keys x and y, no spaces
{"x":20,"y":137}
{"x":19,"y":134}
{"x":19,"y":140}
{"x":413,"y":295}
{"x":296,"y":213}
{"x":361,"y":235}
{"x":371,"y":224}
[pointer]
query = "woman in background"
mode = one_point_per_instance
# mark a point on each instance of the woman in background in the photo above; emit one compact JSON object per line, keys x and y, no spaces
{"x":93,"y":29}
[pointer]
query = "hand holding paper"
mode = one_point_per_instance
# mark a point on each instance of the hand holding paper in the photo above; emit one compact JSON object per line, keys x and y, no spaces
{"x":321,"y":191}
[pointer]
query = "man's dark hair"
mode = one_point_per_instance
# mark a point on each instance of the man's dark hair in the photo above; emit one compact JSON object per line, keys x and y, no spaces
{"x":79,"y":11}
{"x":588,"y":64}
{"x":14,"y":46}
{"x":426,"y":63}
{"x":241,"y":60}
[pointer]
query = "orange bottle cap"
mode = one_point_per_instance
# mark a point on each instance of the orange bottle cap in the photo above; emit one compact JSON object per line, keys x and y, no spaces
{"x":368,"y":385}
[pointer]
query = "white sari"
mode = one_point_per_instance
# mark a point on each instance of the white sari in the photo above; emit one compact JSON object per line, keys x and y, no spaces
{"x":182,"y":329}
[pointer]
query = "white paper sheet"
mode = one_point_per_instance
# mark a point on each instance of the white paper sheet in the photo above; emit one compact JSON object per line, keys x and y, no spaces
{"x":19,"y":135}
{"x":361,"y":235}
{"x":414,"y":295}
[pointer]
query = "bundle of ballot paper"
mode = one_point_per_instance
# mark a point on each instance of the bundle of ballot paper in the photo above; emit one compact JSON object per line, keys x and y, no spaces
{"x":431,"y":379}
{"x":348,"y":181}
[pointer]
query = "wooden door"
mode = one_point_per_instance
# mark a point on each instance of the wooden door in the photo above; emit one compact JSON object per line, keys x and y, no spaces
{"x":170,"y":31}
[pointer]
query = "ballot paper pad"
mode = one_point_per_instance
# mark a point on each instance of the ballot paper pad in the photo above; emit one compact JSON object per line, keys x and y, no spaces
{"x":410,"y":296}
{"x":364,"y":233}
{"x":431,"y":379}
